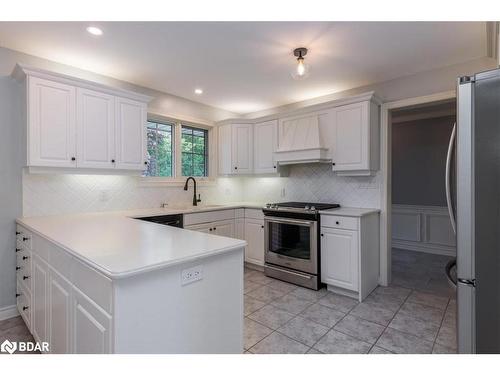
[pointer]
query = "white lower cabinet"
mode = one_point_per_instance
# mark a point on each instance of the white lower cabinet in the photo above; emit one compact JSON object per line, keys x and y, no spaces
{"x":339,"y":266}
{"x":40,"y":298}
{"x":254,"y":235}
{"x":221,"y":228}
{"x":60,"y":294}
{"x":91,"y":326}
{"x":350,"y":254}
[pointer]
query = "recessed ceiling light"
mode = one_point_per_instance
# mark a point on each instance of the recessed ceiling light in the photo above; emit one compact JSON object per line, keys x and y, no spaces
{"x":198,"y":91}
{"x":94,"y":30}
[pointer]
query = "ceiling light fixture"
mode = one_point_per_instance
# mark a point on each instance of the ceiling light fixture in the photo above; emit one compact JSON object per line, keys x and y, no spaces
{"x":198,"y":91}
{"x":301,"y":71}
{"x":94,"y":30}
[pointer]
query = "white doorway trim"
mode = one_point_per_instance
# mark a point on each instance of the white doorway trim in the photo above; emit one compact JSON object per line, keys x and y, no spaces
{"x":386,"y":170}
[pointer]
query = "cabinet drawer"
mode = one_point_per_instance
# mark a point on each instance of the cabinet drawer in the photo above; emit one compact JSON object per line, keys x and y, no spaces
{"x":24,"y":304}
{"x":253,"y":213}
{"x":341,"y":222}
{"x":208,"y":217}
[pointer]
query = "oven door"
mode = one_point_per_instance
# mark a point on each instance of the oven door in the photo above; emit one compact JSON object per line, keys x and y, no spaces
{"x":292,"y":243}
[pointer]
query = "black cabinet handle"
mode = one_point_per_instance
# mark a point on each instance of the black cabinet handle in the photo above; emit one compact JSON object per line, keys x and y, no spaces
{"x":25,"y":308}
{"x":17,"y":233}
{"x":25,"y":257}
{"x":25,"y":238}
{"x":25,"y":277}
{"x":18,"y":295}
{"x":18,"y":268}
{"x":18,"y":250}
{"x":73,"y":158}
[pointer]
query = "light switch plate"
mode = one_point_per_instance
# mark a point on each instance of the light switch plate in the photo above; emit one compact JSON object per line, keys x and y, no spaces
{"x":191,"y":275}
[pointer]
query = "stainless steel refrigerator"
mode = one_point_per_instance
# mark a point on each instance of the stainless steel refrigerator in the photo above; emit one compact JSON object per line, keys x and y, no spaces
{"x":476,"y":207}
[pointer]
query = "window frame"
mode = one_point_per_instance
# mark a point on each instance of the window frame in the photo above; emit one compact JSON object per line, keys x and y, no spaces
{"x":173,"y":143}
{"x":177,"y":179}
{"x":206,"y":148}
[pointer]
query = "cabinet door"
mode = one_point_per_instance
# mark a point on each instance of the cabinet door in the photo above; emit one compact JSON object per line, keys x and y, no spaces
{"x":242,"y":148}
{"x":131,"y":134}
{"x":351,"y":137}
{"x":95,"y":129}
{"x":225,"y":149}
{"x":339,"y":258}
{"x":254,"y":235}
{"x":59,"y":313}
{"x":51,"y":124}
{"x":265,"y":144}
{"x":91,"y":326}
{"x":223,"y":228}
{"x":40,"y":272}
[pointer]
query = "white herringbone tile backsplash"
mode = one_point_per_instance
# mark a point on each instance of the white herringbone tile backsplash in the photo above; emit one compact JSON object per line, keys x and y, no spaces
{"x":51,"y":194}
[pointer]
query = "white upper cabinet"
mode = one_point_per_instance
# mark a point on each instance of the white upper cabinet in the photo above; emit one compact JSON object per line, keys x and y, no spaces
{"x":131,"y":118}
{"x":95,"y":129}
{"x":52,"y":124}
{"x":72,"y":123}
{"x":235,"y":149}
{"x":356,"y":142}
{"x":265,"y":145}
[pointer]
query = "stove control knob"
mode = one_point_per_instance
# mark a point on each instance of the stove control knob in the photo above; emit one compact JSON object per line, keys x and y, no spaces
{"x":313,"y":208}
{"x":307,"y":208}
{"x":268,"y":205}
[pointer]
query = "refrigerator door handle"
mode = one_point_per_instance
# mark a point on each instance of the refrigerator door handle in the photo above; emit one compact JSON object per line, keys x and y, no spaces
{"x":448,"y":178}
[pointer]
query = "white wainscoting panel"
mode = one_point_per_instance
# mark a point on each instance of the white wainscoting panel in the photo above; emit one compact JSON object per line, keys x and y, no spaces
{"x":423,"y":228}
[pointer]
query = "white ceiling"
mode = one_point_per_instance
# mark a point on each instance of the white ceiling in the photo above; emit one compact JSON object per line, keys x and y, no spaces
{"x":245,"y":66}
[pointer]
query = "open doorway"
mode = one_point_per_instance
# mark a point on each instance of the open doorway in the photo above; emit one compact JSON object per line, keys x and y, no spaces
{"x":423,"y":241}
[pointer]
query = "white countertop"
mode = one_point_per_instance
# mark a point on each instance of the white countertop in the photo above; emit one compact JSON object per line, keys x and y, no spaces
{"x":349,"y":211}
{"x":120,"y":246}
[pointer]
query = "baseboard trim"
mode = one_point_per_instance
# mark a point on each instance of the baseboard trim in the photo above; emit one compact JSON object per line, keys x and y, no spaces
{"x":8,"y":312}
{"x":424,"y":248}
{"x":253,"y":266}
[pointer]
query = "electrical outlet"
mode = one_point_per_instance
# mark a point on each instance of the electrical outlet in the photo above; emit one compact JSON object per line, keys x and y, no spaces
{"x":191,"y":275}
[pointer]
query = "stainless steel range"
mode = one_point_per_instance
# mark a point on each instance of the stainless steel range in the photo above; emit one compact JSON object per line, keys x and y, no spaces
{"x":292,"y":245}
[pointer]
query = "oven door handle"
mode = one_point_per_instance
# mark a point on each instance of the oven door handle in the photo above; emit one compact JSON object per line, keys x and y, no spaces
{"x":289,"y":221}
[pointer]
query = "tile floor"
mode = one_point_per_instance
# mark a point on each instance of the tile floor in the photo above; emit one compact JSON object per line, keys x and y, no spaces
{"x":416,"y":314}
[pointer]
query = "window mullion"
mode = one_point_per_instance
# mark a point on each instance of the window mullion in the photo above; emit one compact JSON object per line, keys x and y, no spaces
{"x":177,"y":172}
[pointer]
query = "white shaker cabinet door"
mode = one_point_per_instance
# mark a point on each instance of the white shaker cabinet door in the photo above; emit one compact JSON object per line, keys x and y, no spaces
{"x":223,"y":228}
{"x":265,"y":145}
{"x":224,"y":147}
{"x":242,"y":148}
{"x":339,"y":258}
{"x":351,"y":137}
{"x":254,"y":235}
{"x":40,"y":274}
{"x":60,"y":292}
{"x":95,"y":129}
{"x":51,"y":124}
{"x":91,"y":326}
{"x":131,"y":121}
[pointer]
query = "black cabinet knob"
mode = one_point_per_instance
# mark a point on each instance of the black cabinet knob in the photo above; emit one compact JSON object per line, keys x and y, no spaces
{"x":274,"y":167}
{"x":215,"y":228}
{"x":25,"y":257}
{"x":262,"y":226}
{"x":18,"y":250}
{"x":18,"y":268}
{"x":235,"y":167}
{"x":337,"y":222}
{"x":18,"y":295}
{"x":112,"y":160}
{"x":145,"y":163}
{"x":322,"y":235}
{"x":25,"y":238}
{"x":73,"y":158}
{"x":25,"y":308}
{"x":333,"y":163}
{"x":210,"y":229}
{"x":17,"y":233}
{"x":26,"y":277}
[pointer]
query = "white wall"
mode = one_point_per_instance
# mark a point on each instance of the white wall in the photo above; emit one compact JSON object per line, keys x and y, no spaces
{"x":10,"y":187}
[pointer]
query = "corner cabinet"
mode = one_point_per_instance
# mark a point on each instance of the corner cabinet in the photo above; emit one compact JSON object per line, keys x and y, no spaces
{"x":235,"y":149}
{"x":72,"y":123}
